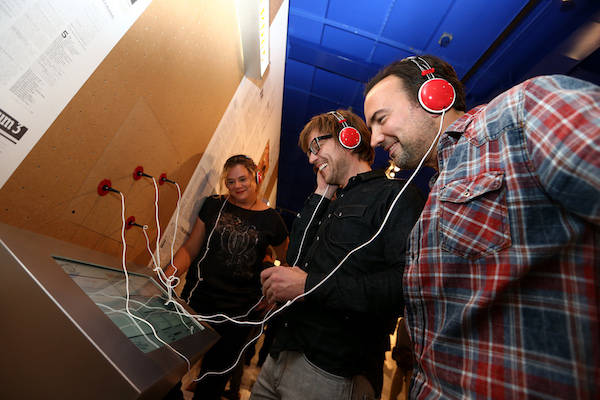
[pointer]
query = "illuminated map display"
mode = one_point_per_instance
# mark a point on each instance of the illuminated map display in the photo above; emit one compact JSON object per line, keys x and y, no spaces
{"x":107,"y":288}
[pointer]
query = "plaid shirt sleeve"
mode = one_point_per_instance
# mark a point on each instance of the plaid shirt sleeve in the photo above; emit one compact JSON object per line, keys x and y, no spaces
{"x":503,"y":273}
{"x":562,"y":121}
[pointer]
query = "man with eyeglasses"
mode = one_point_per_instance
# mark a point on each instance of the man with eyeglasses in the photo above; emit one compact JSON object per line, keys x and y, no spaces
{"x":331,"y":343}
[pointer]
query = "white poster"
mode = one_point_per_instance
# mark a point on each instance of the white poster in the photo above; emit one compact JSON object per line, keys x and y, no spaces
{"x":48,"y":49}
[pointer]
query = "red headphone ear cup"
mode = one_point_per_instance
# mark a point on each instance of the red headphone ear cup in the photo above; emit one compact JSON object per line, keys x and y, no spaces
{"x":349,"y":137}
{"x":437,"y":95}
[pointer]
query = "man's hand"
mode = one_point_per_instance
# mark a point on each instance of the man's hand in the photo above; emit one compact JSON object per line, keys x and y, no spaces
{"x":281,"y":284}
{"x":323,"y":188}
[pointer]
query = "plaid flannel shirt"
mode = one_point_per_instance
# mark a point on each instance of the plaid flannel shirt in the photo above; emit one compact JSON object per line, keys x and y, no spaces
{"x":502,"y":278}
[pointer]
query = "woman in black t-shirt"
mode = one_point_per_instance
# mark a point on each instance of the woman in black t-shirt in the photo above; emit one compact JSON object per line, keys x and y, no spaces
{"x":223,"y":260}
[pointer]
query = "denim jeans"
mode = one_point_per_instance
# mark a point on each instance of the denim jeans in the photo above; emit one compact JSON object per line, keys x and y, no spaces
{"x":292,"y":377}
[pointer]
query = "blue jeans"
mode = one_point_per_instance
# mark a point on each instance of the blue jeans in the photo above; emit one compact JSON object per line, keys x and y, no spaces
{"x":292,"y":377}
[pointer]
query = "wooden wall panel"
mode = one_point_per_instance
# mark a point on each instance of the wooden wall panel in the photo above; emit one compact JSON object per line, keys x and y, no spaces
{"x":251,"y":122}
{"x":155,"y":100}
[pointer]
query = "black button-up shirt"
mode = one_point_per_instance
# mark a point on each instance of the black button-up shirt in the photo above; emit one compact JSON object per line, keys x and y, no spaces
{"x":343,"y":327}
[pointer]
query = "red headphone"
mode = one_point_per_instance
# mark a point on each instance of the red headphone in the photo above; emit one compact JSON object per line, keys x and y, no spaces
{"x":436,"y":95}
{"x":349,"y":137}
{"x":259,"y":177}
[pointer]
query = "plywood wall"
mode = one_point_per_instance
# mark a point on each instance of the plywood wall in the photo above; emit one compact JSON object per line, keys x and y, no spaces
{"x":156,"y":101}
{"x":251,"y":122}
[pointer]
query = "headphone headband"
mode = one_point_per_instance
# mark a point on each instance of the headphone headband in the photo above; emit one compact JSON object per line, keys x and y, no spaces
{"x":426,"y":69}
{"x":340,"y":118}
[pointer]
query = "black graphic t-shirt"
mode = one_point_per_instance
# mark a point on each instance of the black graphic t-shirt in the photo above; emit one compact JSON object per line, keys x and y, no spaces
{"x":231,"y":269}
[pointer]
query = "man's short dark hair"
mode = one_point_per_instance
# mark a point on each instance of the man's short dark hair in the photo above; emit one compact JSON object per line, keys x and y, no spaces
{"x":412,"y":79}
{"x":326,"y":123}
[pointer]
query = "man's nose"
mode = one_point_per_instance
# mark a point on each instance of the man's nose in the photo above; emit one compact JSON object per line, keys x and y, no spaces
{"x":376,"y":136}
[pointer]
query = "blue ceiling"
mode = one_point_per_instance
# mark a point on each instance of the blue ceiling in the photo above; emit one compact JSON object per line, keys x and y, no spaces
{"x":335,"y":46}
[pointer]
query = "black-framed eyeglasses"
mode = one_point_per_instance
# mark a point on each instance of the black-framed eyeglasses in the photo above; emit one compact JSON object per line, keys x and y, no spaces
{"x":314,"y":145}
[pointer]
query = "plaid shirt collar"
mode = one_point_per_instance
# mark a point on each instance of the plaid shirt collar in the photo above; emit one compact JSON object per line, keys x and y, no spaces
{"x":452,"y":134}
{"x":459,"y":127}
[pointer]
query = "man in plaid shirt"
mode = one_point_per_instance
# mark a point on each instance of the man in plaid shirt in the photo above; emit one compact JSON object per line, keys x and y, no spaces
{"x":503,"y":272}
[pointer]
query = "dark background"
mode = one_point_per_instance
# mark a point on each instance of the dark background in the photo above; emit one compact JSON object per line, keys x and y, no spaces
{"x":335,"y":46}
